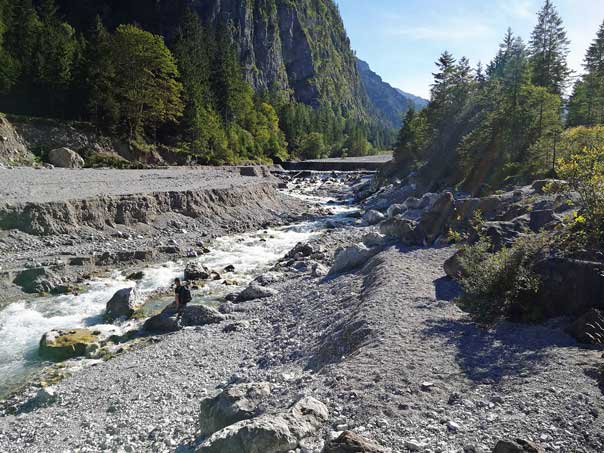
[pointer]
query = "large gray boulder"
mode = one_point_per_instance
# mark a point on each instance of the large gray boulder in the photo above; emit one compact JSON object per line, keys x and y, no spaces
{"x":269,"y":433}
{"x":196,"y":271}
{"x":255,"y":291}
{"x":58,"y":345}
{"x":123,"y":304}
{"x":65,"y":158}
{"x":194,"y":315}
{"x":571,"y":287}
{"x":400,"y":229}
{"x":351,"y":257}
{"x":234,"y":404}
{"x":373,"y":217}
{"x":435,"y":221}
{"x":38,"y":280}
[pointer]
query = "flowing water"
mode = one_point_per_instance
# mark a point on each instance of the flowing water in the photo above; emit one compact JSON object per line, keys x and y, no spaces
{"x":22,"y":324}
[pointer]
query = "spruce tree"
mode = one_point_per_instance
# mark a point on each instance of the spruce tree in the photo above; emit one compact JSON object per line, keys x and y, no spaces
{"x":549,"y":48}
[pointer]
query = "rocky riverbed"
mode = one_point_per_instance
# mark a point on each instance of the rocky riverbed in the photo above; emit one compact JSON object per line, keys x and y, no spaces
{"x":356,"y":341}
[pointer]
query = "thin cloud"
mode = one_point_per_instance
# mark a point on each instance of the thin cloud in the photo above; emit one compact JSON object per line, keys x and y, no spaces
{"x":524,"y":9}
{"x":457,"y":32}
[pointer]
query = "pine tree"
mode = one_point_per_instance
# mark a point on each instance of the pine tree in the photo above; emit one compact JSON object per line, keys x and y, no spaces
{"x":549,"y":48}
{"x":8,"y":66}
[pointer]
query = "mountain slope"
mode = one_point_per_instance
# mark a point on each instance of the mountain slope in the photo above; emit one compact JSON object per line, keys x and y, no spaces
{"x":296,"y":49}
{"x":389,"y":103}
{"x":419,"y":102}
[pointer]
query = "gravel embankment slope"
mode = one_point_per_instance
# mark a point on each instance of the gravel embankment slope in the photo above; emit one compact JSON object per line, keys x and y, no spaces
{"x":365,"y":343}
{"x":22,"y":185}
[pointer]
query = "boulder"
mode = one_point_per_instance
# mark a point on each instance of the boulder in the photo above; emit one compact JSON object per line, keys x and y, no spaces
{"x":38,"y":280}
{"x":319,"y":271}
{"x":235,"y":403}
{"x":373,"y":217}
{"x":59,"y":345}
{"x":589,"y":328}
{"x":402,"y":230}
{"x":136,"y":276}
{"x":351,"y":257}
{"x":302,"y":249}
{"x":517,"y":446}
{"x":194,"y":315}
{"x":396,"y":209}
{"x":65,"y":158}
{"x":412,"y":203}
{"x":255,"y":291}
{"x":269,"y":433}
{"x":375,"y":240}
{"x":572,"y":287}
{"x":453,"y":267}
{"x":196,"y":271}
{"x":435,"y":221}
{"x":556,"y":185}
{"x":349,"y":442}
{"x":123,"y":304}
{"x":503,"y":234}
{"x":543,"y":219}
{"x":255,"y":171}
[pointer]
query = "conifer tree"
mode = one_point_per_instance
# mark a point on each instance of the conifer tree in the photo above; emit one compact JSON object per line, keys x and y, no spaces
{"x":549,"y":48}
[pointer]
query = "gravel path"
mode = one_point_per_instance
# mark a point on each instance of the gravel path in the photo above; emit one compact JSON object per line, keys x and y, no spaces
{"x":383,"y":347}
{"x":20,"y":185}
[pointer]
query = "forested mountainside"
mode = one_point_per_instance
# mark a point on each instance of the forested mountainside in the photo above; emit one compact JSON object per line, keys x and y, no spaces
{"x":388,"y":102}
{"x":419,"y":102}
{"x":509,"y":122}
{"x":224,"y":81}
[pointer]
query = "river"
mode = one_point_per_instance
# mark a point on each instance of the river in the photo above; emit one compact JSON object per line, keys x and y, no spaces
{"x":23,"y":323}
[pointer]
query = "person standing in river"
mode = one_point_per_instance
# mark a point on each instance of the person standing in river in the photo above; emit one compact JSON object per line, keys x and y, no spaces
{"x":182,"y":296}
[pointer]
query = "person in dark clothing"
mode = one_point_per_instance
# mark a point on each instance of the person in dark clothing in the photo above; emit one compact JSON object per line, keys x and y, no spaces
{"x":182,"y":297}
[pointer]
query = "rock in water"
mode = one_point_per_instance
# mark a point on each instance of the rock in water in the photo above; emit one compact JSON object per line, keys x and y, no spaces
{"x":196,"y":271}
{"x":37,"y":280}
{"x":517,"y":446}
{"x":61,"y":345}
{"x":194,"y":315}
{"x":235,"y":403}
{"x":123,"y":304}
{"x":65,"y":158}
{"x":269,"y":433}
{"x":373,"y":217}
{"x":349,"y":442}
{"x":255,"y":291}
{"x":351,"y":257}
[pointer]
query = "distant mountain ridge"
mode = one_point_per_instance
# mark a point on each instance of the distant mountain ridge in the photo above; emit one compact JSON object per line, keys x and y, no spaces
{"x":389,"y":103}
{"x":420,"y":103}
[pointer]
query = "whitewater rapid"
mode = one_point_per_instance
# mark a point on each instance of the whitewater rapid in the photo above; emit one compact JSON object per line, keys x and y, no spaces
{"x":23,"y":323}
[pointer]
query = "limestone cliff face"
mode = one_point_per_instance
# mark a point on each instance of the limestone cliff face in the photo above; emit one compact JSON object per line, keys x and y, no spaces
{"x":296,"y":47}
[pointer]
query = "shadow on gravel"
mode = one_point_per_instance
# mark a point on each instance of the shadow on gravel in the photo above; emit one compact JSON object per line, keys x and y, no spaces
{"x":446,"y":289}
{"x":507,"y":350}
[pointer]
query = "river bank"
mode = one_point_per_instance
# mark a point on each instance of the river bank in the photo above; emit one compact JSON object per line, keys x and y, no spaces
{"x":380,"y":343}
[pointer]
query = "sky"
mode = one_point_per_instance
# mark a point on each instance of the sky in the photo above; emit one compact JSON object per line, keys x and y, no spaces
{"x":401,"y":39}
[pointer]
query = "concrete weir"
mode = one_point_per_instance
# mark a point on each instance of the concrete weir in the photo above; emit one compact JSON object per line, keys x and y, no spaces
{"x":366,"y":163}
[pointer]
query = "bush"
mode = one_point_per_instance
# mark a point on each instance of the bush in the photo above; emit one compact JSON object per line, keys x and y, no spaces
{"x":584,"y":171}
{"x":501,"y":284}
{"x":98,"y":160}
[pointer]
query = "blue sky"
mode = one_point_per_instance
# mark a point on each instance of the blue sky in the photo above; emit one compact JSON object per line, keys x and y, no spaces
{"x":401,"y":39}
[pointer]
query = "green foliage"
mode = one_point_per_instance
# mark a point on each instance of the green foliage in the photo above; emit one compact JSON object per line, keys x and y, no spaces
{"x":145,"y":87}
{"x":586,"y":105}
{"x":412,"y":138}
{"x":483,"y":129}
{"x":500,"y":285}
{"x":583,"y":169}
{"x":313,"y":146}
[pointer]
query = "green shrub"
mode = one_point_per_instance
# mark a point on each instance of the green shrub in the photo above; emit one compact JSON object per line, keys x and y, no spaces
{"x":501,"y":284}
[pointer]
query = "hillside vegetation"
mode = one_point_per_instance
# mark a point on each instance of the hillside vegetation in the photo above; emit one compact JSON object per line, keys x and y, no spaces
{"x":223,"y":83}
